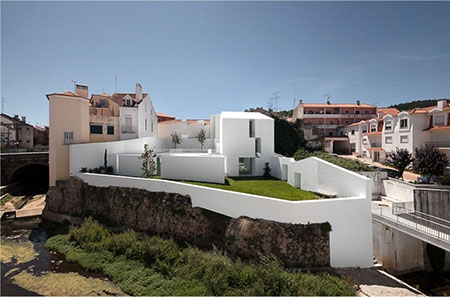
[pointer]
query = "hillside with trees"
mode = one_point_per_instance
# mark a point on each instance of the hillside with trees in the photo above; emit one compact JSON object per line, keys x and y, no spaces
{"x":415,"y":104}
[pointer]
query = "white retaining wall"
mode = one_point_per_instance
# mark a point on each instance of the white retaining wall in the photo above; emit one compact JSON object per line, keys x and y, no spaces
{"x":193,"y":167}
{"x":350,"y":217}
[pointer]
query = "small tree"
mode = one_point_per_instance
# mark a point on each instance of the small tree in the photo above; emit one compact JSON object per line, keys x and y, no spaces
{"x":148,"y":162}
{"x":176,"y":138}
{"x":429,"y":161}
{"x":201,"y":137}
{"x":400,"y":159}
{"x":267,"y":170}
{"x":105,"y":159}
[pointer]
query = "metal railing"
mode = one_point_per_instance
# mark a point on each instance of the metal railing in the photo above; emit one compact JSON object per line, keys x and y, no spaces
{"x":422,"y":222}
{"x":438,"y":143}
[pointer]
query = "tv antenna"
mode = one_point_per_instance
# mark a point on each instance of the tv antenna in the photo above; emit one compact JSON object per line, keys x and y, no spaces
{"x":293,"y":104}
{"x":115,"y":86}
{"x":74,"y":85}
{"x":327,"y":95}
{"x":275,"y":97}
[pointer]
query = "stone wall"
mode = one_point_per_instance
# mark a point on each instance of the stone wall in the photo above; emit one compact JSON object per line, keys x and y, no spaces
{"x":172,"y":215}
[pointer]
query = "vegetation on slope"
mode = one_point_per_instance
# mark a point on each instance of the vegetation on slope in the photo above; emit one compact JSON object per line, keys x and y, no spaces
{"x":415,"y":104}
{"x":353,"y":165}
{"x":161,"y":267}
{"x":288,"y":137}
{"x":264,"y":186}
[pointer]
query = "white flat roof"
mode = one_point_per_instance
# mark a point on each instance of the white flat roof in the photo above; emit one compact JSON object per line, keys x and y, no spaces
{"x":244,"y":115}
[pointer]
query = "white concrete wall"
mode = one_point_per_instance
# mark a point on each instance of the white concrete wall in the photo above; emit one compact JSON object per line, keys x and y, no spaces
{"x":350,"y":218}
{"x":90,"y":155}
{"x":398,"y":190}
{"x":193,"y":167}
{"x":165,"y":129}
{"x":128,"y":164}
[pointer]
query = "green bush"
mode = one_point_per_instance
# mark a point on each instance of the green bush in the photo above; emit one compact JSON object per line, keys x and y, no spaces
{"x":160,"y":267}
{"x":353,"y":165}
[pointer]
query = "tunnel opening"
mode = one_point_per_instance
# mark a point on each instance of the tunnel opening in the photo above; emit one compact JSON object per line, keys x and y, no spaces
{"x":31,"y":179}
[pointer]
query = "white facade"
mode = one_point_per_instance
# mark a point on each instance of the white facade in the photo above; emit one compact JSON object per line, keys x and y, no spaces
{"x":137,"y":119}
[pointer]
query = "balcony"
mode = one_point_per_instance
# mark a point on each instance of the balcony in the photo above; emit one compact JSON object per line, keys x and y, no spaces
{"x":439,"y":144}
{"x":327,"y":126}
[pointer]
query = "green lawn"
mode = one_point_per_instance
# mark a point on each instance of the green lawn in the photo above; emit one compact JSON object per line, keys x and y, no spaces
{"x":264,"y":186}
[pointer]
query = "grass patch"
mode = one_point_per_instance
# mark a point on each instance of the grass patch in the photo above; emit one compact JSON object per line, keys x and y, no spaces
{"x":263,"y":186}
{"x":161,"y":267}
{"x":8,"y":198}
{"x":353,"y":165}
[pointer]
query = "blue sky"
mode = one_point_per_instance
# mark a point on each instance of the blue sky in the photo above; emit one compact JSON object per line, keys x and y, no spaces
{"x":198,"y":58}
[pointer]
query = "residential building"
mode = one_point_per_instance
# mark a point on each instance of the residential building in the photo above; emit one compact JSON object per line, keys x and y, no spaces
{"x":328,"y":117}
{"x":377,"y":138}
{"x":16,"y":132}
{"x":76,"y":118}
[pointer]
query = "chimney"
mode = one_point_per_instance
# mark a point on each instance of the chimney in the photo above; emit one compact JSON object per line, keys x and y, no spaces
{"x":138,"y":92}
{"x":82,"y":90}
{"x":358,"y":102}
{"x":301,"y":101}
{"x":328,"y":102}
{"x":16,"y":117}
{"x":441,"y":103}
{"x":24,"y":119}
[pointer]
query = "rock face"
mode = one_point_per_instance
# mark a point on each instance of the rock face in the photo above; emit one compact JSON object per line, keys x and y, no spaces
{"x":172,"y":215}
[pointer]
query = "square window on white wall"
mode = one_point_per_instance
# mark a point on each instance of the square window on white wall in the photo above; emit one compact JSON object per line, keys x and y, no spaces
{"x":388,"y":139}
{"x":404,"y":139}
{"x":403,"y":123}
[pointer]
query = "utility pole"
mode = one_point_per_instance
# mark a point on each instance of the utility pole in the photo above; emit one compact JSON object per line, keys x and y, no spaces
{"x":293,"y":103}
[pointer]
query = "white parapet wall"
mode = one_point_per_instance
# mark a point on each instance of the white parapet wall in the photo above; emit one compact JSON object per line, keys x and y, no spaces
{"x":90,"y":155}
{"x":350,"y":216}
{"x":193,"y":167}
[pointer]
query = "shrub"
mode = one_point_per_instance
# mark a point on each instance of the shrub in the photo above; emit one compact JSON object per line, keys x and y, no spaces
{"x":89,"y":232}
{"x":400,"y":159}
{"x":430,"y":162}
{"x":267,"y":170}
{"x":201,"y":137}
{"x":288,"y":137}
{"x":353,"y":165}
{"x":160,"y":267}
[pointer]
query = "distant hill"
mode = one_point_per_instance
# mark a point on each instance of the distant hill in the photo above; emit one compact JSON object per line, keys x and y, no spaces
{"x":415,"y":104}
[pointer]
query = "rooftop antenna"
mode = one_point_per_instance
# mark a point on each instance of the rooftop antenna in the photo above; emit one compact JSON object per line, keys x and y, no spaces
{"x":115,"y":87}
{"x":74,"y":85}
{"x":293,"y":104}
{"x":275,"y":96}
{"x":327,"y":95}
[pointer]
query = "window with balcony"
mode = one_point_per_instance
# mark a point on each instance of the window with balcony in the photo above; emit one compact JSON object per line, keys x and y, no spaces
{"x":319,"y":122}
{"x":328,"y":111}
{"x":357,"y":112}
{"x":403,"y":123}
{"x":347,"y":122}
{"x":331,"y":122}
{"x":251,"y":127}
{"x":347,"y":112}
{"x":96,"y":129}
{"x":310,"y":112}
{"x":110,"y":130}
{"x":388,"y":125}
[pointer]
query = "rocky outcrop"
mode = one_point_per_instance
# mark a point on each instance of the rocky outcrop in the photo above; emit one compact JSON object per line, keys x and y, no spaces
{"x":172,"y":215}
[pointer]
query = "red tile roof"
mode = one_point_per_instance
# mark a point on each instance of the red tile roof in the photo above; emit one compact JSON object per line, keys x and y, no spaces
{"x":388,"y":110}
{"x":160,"y":114}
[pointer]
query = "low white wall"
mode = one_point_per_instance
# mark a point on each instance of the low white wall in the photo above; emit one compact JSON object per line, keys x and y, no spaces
{"x":350,"y":218}
{"x":193,"y":167}
{"x":377,"y":178}
{"x":128,"y":164}
{"x":91,"y":155}
{"x":398,"y":190}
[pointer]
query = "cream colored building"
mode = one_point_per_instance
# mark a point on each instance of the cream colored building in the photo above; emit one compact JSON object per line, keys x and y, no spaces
{"x":69,"y":123}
